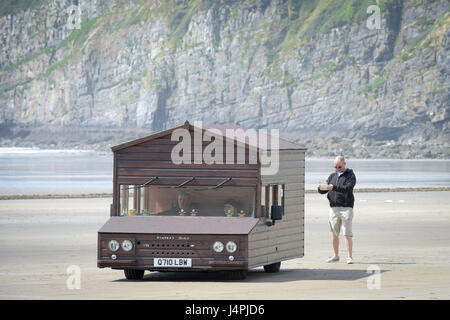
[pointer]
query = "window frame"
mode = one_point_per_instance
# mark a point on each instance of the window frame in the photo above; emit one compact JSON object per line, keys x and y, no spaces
{"x":272,"y":194}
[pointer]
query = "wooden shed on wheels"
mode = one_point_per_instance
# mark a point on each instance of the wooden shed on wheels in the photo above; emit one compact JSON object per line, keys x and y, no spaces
{"x":205,"y":197}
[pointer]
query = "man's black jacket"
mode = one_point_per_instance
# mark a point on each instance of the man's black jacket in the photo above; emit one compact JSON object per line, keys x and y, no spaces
{"x":342,"y":193}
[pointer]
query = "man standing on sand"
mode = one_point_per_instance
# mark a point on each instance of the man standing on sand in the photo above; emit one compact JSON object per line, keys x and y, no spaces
{"x":339,"y":187}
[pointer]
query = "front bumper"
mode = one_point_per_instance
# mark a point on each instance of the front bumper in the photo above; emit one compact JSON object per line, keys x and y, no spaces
{"x":103,"y":263}
{"x":211,"y":264}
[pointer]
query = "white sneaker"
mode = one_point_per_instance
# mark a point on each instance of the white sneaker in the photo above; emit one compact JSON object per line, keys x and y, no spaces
{"x":349,"y":260}
{"x":333,"y":259}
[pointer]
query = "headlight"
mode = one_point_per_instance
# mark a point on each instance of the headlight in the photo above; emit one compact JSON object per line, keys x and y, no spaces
{"x":113,"y":245}
{"x":127,"y":245}
{"x":231,"y":246}
{"x":218,"y":246}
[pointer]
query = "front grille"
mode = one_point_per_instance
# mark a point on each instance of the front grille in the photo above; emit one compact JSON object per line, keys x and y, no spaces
{"x":148,"y":244}
{"x":170,"y":248}
{"x":177,"y":253}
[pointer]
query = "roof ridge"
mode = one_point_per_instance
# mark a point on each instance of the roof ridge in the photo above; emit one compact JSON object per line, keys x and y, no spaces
{"x":283,"y":144}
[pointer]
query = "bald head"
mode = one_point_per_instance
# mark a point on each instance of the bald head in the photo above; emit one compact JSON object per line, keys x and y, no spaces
{"x":339,"y":164}
{"x":184,"y":200}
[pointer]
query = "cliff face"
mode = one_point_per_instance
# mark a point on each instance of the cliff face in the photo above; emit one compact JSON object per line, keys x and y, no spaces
{"x":312,"y":69}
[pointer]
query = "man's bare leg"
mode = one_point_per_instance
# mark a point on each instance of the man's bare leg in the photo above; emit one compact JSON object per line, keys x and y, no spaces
{"x":349,"y":245}
{"x":336,"y":245}
{"x":335,"y":258}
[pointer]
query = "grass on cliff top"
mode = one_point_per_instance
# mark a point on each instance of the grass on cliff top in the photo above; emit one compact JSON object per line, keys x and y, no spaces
{"x":299,"y":20}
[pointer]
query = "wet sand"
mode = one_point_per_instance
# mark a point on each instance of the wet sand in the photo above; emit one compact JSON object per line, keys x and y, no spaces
{"x":404,"y":234}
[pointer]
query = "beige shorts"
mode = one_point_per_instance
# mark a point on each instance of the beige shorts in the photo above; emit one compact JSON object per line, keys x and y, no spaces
{"x":341,"y":217}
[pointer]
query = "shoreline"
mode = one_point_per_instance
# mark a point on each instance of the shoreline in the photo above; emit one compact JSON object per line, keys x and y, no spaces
{"x":109,"y":195}
{"x":107,"y":151}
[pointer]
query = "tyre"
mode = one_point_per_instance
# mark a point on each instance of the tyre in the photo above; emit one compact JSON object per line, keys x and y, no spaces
{"x":237,"y":274}
{"x":274,"y":267}
{"x":133,"y":274}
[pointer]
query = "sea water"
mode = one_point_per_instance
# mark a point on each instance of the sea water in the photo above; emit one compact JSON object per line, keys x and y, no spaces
{"x":36,"y":171}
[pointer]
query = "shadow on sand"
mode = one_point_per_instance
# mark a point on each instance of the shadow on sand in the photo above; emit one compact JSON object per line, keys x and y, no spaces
{"x":258,"y":275}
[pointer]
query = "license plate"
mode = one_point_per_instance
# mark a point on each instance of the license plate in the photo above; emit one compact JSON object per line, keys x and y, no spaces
{"x":172,"y":262}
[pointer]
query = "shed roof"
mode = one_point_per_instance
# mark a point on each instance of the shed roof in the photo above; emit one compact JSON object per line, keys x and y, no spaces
{"x":283,"y":144}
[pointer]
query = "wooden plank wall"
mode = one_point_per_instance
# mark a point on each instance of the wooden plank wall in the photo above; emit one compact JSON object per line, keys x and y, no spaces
{"x":137,"y":164}
{"x":284,"y":240}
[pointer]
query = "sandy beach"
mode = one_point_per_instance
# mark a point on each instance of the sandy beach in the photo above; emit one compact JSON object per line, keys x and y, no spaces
{"x":405,"y":235}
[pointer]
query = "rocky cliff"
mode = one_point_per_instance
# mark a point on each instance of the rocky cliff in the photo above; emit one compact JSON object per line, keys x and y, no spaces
{"x":328,"y":74}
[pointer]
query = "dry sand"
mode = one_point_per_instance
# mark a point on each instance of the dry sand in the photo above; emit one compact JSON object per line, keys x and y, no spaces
{"x":405,"y":234}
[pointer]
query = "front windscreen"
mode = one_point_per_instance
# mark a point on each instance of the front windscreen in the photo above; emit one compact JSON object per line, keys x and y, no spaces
{"x":187,"y":201}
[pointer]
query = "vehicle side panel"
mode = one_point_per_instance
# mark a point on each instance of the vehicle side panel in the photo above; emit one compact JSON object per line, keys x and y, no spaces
{"x":284,"y":240}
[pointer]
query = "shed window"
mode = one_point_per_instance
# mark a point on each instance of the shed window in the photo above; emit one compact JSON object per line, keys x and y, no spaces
{"x":202,"y":201}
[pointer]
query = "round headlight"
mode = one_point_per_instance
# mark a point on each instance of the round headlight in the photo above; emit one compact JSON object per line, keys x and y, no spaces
{"x":231,"y":246}
{"x":113,"y":245}
{"x":127,"y":245}
{"x":218,"y":246}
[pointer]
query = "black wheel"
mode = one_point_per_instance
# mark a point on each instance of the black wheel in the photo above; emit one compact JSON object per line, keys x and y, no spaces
{"x":274,"y":267}
{"x":237,"y":274}
{"x":133,"y":274}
